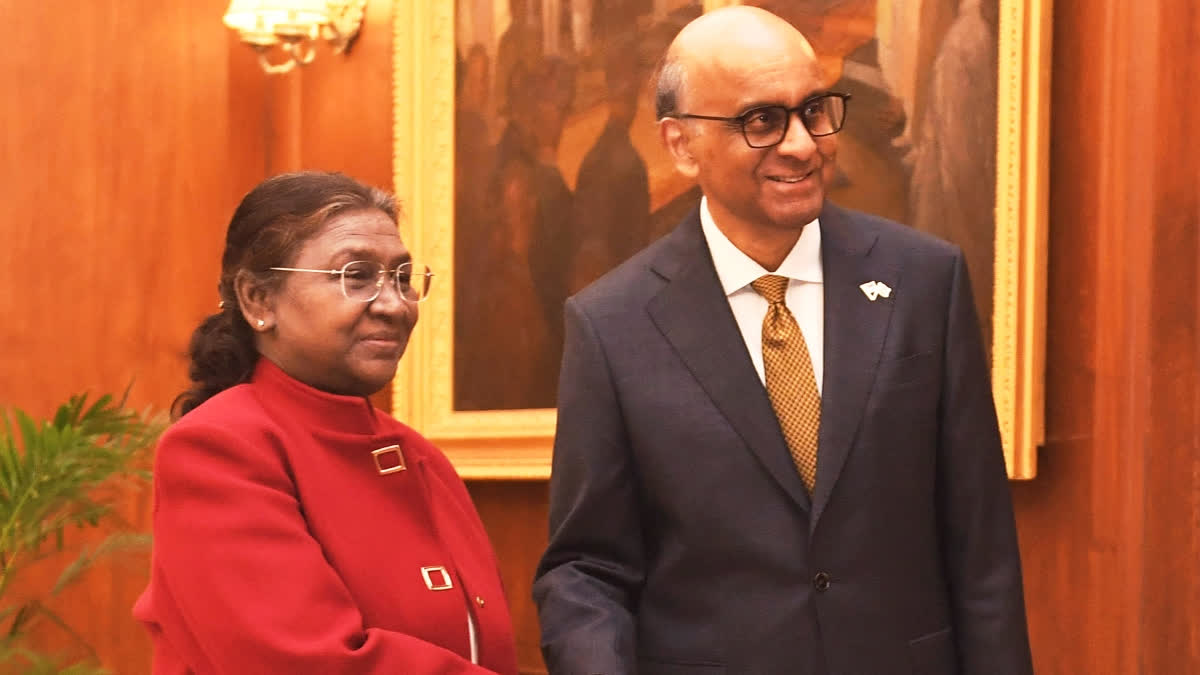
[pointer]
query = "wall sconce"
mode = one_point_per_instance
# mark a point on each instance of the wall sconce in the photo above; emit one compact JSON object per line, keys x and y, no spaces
{"x":294,"y":25}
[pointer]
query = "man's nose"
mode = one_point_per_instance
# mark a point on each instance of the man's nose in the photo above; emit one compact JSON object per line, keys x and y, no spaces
{"x":797,"y":141}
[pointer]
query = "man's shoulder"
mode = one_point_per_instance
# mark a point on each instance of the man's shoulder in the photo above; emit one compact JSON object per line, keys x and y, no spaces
{"x":636,"y":279}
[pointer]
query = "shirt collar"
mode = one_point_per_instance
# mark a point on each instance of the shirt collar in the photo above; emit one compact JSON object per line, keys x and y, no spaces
{"x":736,"y":270}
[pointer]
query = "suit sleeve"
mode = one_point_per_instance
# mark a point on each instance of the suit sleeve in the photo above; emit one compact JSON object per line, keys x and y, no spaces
{"x":587,"y":582}
{"x":242,"y":585}
{"x":979,"y":538}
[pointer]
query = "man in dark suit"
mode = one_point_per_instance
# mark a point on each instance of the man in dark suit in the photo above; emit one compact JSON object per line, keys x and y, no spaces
{"x":777,"y":451}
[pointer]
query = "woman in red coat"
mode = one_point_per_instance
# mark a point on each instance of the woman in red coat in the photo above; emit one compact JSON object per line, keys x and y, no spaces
{"x":297,"y":529}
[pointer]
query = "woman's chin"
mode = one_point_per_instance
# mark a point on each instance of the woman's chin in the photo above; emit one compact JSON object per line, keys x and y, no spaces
{"x":375,"y":374}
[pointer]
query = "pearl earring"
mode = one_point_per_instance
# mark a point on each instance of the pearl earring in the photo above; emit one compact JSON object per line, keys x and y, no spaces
{"x":261,"y":323}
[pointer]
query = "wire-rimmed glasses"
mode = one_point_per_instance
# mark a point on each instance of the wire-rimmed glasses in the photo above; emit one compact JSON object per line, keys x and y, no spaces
{"x":362,"y":280}
{"x":767,"y":126}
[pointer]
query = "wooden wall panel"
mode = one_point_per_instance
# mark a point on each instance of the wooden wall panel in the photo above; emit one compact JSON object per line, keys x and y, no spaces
{"x":336,"y":113}
{"x":1171,"y":581}
{"x":1110,"y":529}
{"x":514,"y":514}
{"x":126,"y":137}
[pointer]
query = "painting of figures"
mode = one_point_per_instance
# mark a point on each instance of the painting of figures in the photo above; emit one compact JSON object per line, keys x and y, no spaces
{"x":558,"y":176}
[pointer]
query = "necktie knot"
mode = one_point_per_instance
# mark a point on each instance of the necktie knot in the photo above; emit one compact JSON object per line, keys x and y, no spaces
{"x":771,"y":286}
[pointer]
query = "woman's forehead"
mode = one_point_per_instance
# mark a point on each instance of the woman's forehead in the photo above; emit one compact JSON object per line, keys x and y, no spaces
{"x":364,"y":231}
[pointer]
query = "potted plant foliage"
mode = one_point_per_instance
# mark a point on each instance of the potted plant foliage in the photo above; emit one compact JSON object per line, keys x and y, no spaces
{"x":56,"y":475}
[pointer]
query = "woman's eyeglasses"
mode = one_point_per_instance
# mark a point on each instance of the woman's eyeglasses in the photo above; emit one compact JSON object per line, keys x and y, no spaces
{"x":362,"y":280}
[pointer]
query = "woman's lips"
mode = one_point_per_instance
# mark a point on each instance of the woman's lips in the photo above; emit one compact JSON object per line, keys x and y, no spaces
{"x":384,"y":341}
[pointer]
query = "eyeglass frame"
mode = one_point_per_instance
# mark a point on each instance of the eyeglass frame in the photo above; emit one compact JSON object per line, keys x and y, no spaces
{"x":382,"y":270}
{"x":741,"y":119}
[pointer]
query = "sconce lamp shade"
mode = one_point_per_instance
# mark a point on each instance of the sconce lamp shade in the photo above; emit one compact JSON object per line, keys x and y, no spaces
{"x":265,"y":22}
{"x":292,"y":27}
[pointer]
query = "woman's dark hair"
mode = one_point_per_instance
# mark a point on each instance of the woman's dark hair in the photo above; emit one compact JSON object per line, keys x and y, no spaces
{"x":268,"y":229}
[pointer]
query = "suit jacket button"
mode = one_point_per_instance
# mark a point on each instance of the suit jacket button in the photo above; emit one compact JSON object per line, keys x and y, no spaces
{"x":821,"y":581}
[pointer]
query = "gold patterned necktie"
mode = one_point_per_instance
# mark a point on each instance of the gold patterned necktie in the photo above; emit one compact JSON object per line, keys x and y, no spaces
{"x":791,"y":384}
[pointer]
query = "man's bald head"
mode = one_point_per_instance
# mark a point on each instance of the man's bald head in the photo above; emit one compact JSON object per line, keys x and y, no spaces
{"x":714,"y":40}
{"x":727,"y":77}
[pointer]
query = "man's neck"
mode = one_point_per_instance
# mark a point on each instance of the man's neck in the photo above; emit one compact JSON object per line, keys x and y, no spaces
{"x":767,"y":246}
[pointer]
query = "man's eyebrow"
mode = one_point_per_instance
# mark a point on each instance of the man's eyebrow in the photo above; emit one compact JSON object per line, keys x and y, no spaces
{"x":816,"y":94}
{"x":747,"y":106}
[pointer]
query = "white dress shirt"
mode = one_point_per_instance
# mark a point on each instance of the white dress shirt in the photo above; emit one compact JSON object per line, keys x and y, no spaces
{"x":805,"y":294}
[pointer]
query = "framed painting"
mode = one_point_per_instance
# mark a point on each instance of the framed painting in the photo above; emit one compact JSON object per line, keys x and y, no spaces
{"x":524,"y":130}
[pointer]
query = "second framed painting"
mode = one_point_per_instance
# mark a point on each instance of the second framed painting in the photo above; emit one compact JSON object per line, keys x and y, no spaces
{"x":527,"y":154}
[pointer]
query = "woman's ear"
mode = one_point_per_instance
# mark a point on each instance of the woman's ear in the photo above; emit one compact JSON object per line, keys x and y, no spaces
{"x":675,"y":138}
{"x":256,"y":301}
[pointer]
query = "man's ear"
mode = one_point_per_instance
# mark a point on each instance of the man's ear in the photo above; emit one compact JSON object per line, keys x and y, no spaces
{"x":677,"y":140}
{"x":255,"y":300}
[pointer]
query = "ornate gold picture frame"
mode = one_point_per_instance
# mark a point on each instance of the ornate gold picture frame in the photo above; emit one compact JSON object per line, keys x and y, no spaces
{"x":516,"y":444}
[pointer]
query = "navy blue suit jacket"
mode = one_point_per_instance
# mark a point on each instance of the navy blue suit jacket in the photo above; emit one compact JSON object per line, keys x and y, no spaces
{"x":682,"y":540}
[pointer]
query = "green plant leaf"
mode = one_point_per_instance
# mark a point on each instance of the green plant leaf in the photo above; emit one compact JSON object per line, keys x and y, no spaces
{"x":29,"y":662}
{"x":59,"y":474}
{"x":22,"y":616}
{"x":121,"y":542}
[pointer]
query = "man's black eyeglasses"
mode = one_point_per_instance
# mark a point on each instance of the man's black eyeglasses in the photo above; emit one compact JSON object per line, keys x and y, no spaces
{"x":822,"y":115}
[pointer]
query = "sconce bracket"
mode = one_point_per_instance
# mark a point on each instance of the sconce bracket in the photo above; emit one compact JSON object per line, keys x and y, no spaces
{"x":345,"y":20}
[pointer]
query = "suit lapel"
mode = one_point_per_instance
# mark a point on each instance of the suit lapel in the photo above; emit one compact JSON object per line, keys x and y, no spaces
{"x":855,"y":328}
{"x":693,"y":315}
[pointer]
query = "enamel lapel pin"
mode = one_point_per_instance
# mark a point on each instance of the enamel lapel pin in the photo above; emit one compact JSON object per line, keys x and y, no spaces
{"x":875,"y":289}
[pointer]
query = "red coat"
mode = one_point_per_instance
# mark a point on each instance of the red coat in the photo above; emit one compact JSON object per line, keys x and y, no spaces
{"x":281,"y":548}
